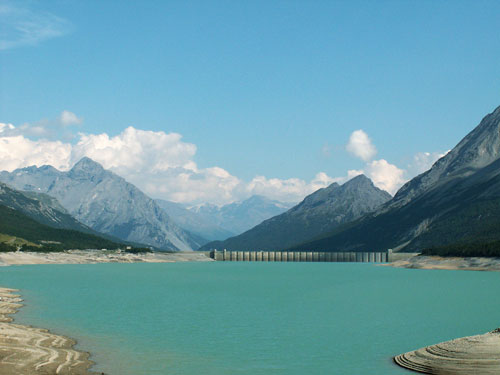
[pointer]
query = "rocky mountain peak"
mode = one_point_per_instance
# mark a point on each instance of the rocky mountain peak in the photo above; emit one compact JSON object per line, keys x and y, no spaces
{"x":360,"y":181}
{"x":86,"y":166}
{"x":48,"y":169}
{"x":319,"y":196}
{"x":478,"y":149}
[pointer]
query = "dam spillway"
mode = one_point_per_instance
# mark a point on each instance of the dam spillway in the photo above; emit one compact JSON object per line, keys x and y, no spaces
{"x":300,"y":256}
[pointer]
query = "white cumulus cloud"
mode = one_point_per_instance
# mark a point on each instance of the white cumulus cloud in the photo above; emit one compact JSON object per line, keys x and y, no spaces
{"x":289,"y":190}
{"x":361,"y":146}
{"x":18,"y":152}
{"x":69,"y":118}
{"x":135,"y":149}
{"x":385,"y":176}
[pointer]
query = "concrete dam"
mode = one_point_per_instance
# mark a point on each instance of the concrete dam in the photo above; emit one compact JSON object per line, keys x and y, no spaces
{"x":300,"y":256}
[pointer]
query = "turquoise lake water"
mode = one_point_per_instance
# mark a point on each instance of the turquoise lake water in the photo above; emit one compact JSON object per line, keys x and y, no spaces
{"x":239,"y":318}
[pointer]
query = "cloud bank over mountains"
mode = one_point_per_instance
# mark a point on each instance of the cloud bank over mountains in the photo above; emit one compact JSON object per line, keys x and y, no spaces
{"x":162,"y":164}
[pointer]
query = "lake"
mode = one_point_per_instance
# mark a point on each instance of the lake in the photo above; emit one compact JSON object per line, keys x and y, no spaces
{"x":253,"y":318}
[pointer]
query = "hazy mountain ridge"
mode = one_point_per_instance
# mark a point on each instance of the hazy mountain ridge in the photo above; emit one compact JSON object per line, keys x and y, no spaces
{"x":321,"y":211}
{"x":193,"y":222}
{"x":458,"y":199}
{"x":238,"y":217}
{"x":106,"y":203}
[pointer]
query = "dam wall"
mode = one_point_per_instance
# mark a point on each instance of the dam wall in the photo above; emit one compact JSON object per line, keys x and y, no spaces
{"x":301,"y":256}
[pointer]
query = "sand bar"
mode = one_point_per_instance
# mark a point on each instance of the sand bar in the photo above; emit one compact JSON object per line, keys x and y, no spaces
{"x":27,"y":350}
{"x":98,"y":256}
{"x":479,"y":355}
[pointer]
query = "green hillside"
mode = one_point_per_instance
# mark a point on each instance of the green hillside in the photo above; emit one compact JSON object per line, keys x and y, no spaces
{"x":16,"y":224}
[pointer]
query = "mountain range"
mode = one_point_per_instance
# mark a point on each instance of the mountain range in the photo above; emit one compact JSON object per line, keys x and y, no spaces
{"x":456,"y":201}
{"x":319,"y":212}
{"x":106,"y":203}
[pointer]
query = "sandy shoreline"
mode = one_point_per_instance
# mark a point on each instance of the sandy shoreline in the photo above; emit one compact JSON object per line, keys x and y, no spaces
{"x":107,"y":256}
{"x":98,"y":256}
{"x":448,"y":263}
{"x":26,"y":350}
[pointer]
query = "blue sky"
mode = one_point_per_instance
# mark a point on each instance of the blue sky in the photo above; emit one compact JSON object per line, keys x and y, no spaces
{"x":261,"y":88}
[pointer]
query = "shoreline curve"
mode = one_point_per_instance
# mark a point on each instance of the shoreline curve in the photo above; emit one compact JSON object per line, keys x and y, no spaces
{"x":26,"y":350}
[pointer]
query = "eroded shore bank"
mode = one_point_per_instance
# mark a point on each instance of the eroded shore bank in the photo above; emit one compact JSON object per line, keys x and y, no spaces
{"x":448,"y":263}
{"x":467,"y":355}
{"x":98,"y":256}
{"x":26,"y":350}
